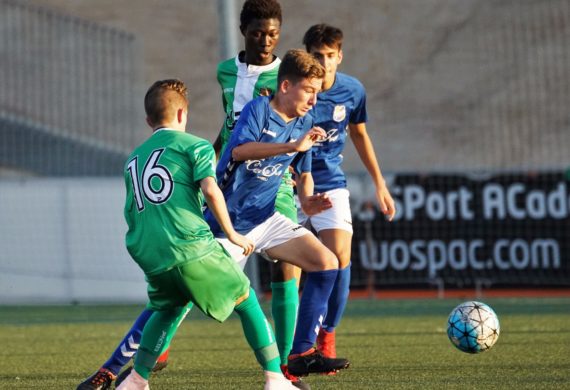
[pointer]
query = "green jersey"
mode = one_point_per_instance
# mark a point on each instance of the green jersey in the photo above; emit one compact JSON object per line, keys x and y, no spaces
{"x":241,"y":83}
{"x":163,"y":208}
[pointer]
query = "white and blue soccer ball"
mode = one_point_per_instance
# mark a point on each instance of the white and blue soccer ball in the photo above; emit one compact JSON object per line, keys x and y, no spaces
{"x":473,"y":327}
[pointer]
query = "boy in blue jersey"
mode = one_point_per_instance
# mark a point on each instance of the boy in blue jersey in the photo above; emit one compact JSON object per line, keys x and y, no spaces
{"x":252,"y":73}
{"x":341,"y":112}
{"x":270,"y":135}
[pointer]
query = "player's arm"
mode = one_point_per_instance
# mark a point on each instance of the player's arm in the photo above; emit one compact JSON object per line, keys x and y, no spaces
{"x":311,"y":204}
{"x":261,"y":150}
{"x":217,"y":204}
{"x":365,"y":150}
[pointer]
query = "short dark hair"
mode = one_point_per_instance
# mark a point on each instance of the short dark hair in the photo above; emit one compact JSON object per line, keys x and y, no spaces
{"x":321,"y":35}
{"x":164,"y":98}
{"x":259,"y":9}
{"x":298,"y":64}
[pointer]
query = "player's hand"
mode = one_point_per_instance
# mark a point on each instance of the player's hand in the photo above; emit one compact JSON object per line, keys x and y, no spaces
{"x":293,"y":176}
{"x":387,"y":205}
{"x":309,"y":138}
{"x":245,"y":243}
{"x":315,"y":204}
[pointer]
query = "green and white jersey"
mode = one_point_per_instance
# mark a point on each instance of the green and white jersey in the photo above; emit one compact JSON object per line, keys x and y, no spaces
{"x":241,"y":83}
{"x":163,"y":207}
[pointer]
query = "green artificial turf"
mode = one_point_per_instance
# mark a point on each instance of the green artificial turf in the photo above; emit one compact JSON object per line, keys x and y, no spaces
{"x":392,"y":344}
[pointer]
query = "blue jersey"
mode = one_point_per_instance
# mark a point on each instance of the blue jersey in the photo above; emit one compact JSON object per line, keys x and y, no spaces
{"x":250,"y":187}
{"x":343,"y":103}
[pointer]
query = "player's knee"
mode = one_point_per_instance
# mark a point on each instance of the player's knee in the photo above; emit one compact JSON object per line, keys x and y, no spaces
{"x":326,"y":259}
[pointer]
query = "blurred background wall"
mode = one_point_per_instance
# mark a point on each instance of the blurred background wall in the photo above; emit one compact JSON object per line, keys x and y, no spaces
{"x":455,"y":87}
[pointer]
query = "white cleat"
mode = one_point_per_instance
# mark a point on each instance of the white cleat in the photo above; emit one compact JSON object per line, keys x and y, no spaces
{"x":134,"y":382}
{"x":276,"y":381}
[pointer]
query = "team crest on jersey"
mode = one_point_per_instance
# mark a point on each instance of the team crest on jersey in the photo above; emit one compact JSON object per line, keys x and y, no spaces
{"x":339,"y":113}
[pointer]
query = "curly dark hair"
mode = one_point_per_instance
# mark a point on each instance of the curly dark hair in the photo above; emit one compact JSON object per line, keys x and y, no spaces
{"x":259,"y":9}
{"x":321,"y":35}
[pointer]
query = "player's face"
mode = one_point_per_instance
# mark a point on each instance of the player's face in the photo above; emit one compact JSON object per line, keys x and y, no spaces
{"x":261,"y":38}
{"x":302,"y":96}
{"x":330,"y":58}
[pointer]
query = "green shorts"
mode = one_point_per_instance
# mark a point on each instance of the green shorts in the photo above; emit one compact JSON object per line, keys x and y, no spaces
{"x":213,"y":283}
{"x":285,"y":202}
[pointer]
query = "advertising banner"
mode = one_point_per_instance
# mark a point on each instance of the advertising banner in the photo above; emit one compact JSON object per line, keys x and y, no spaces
{"x":459,"y":229}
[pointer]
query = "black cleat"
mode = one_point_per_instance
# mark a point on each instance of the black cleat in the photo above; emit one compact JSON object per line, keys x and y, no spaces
{"x":295,"y":380}
{"x":122,"y":376}
{"x":101,"y":380}
{"x":160,"y":366}
{"x":314,"y":362}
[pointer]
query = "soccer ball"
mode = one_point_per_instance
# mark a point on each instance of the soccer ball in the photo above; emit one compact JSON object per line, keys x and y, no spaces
{"x":473,"y":327}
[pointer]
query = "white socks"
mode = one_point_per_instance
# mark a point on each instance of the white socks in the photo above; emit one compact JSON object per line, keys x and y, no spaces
{"x":134,"y":382}
{"x":276,"y":381}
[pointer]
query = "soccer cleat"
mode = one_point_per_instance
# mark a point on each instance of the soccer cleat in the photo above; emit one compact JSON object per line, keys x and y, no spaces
{"x":313,"y":361}
{"x":295,"y":380}
{"x":101,"y":380}
{"x":160,"y":366}
{"x":326,"y":343}
{"x":133,"y":381}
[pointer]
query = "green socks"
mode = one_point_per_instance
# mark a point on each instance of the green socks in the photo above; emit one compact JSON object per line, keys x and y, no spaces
{"x":284,"y":305}
{"x":157,"y":334}
{"x":258,"y":333}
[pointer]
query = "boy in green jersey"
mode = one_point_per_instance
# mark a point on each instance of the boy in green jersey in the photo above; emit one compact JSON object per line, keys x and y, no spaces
{"x":167,"y":178}
{"x":253,"y":72}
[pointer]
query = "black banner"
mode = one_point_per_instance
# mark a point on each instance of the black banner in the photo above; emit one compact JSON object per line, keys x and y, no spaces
{"x":460,"y":230}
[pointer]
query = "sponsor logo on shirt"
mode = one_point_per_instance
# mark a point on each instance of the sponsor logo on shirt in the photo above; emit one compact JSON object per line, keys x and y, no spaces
{"x":332,"y":136}
{"x":339,"y":113}
{"x":263,"y":172}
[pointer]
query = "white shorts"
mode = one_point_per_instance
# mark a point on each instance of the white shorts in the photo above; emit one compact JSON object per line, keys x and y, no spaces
{"x":337,"y":217}
{"x":276,"y":230}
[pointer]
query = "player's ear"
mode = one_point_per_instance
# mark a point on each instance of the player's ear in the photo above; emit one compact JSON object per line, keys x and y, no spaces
{"x":180,"y":115}
{"x":149,"y":122}
{"x":284,"y":86}
{"x":339,"y":56}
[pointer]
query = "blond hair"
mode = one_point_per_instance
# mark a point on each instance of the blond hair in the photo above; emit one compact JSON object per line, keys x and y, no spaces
{"x":163,"y":99}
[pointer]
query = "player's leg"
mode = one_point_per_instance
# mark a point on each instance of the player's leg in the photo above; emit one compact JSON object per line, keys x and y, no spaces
{"x":284,"y":306}
{"x":119,"y":358}
{"x":285,"y":280}
{"x":334,"y":228}
{"x":339,"y":242}
{"x":304,"y":250}
{"x":261,"y":339}
{"x":170,"y":303}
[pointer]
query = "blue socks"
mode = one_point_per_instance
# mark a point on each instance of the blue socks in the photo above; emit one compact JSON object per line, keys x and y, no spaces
{"x":312,"y":309}
{"x":129,"y":345}
{"x":338,"y":299}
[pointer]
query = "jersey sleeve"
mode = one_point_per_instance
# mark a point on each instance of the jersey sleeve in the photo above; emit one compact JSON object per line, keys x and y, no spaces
{"x":250,"y":123}
{"x":302,"y":162}
{"x":203,"y":158}
{"x":359,"y":115}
